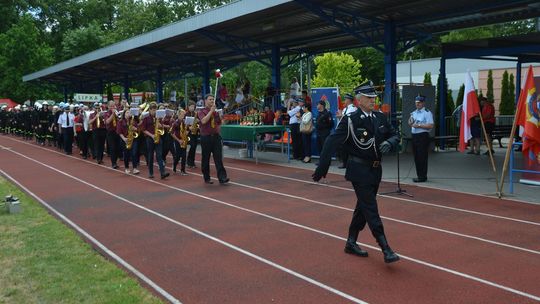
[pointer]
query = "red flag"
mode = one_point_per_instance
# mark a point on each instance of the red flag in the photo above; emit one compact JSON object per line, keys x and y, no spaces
{"x":528,"y":117}
{"x":470,"y":108}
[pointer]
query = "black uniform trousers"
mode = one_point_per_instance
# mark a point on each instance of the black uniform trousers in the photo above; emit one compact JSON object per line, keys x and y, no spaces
{"x":192,"y":149}
{"x":321,"y":138}
{"x":366,"y":210}
{"x":82,"y":138}
{"x":99,"y":143}
{"x":296,"y":137}
{"x":420,"y":143}
{"x":113,"y":146}
{"x":67,"y":134}
{"x":157,"y":149}
{"x":179,"y":155}
{"x":212,"y":144}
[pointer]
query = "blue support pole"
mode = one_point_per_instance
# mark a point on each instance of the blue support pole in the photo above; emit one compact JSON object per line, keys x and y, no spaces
{"x":206,"y":77}
{"x":518,"y":80}
{"x":65,"y":94}
{"x":276,"y":76}
{"x":159,"y":86}
{"x":390,"y":77}
{"x":442,"y":101}
{"x":126,"y":88}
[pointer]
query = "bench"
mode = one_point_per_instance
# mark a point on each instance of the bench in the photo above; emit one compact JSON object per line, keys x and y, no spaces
{"x":500,"y":132}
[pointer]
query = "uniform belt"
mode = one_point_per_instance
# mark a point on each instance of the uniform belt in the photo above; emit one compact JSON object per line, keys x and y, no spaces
{"x":371,"y":163}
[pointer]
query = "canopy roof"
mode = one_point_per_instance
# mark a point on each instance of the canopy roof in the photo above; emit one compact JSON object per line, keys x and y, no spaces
{"x":250,"y":29}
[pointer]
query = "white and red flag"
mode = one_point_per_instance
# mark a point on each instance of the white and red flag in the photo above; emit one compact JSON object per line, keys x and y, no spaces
{"x":528,"y":117}
{"x":470,"y":108}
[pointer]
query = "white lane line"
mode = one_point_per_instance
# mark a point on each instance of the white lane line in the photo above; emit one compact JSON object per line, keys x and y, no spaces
{"x":441,"y":268}
{"x":203,"y":234}
{"x":109,"y":252}
{"x":387,"y":196}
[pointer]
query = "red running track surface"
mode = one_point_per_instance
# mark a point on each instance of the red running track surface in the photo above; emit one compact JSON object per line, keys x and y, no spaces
{"x":271,"y":235}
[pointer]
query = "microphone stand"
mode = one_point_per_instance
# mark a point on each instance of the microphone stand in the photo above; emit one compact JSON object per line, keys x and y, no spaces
{"x":398,"y":190}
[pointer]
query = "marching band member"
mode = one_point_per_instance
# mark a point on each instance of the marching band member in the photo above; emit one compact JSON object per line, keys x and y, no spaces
{"x":99,"y":133}
{"x":151,"y":127}
{"x":168,"y":144}
{"x":193,"y":135}
{"x":127,"y":129}
{"x":181,"y":138}
{"x":112,"y":137}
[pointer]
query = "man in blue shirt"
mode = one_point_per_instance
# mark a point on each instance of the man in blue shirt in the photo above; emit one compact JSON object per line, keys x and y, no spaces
{"x":421,"y":122}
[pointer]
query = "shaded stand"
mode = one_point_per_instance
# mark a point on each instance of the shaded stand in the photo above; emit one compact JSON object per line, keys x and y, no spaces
{"x":398,"y":190}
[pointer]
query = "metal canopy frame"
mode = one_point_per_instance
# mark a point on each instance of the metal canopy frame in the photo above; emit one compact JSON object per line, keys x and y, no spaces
{"x":277,"y":33}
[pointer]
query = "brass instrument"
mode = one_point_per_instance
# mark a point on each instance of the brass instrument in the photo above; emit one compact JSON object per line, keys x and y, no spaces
{"x":183,"y":135}
{"x":195,"y":125}
{"x":158,"y":132}
{"x":132,"y":134}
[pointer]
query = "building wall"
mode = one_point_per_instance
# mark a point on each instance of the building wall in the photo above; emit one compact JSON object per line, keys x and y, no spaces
{"x":456,"y":70}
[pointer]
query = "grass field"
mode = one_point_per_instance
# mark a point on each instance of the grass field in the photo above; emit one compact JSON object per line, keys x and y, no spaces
{"x":43,"y":261}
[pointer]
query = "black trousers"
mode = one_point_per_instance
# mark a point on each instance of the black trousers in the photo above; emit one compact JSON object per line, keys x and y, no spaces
{"x":296,"y":137}
{"x":179,"y":155}
{"x":192,"y":149}
{"x":366,"y":211}
{"x":99,"y":142}
{"x":151,"y":149}
{"x":420,"y":143}
{"x":113,"y":146}
{"x":306,"y":144}
{"x":321,"y":138}
{"x":83,"y":142}
{"x":168,"y":145}
{"x":212,"y":144}
{"x":67,"y":134}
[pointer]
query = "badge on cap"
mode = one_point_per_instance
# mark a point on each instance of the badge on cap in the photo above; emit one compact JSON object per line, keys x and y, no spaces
{"x":366,"y":89}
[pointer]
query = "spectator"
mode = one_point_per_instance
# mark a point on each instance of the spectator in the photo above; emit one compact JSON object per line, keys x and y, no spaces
{"x":306,"y":128}
{"x":488,"y":115}
{"x":295,"y":89}
{"x":294,"y":111}
{"x":306,"y":97}
{"x":324,"y":124}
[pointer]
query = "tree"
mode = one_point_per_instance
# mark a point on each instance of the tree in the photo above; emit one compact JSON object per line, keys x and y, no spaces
{"x":21,"y":52}
{"x":512,"y":90}
{"x":489,"y":93}
{"x":460,"y":95}
{"x":507,"y":104}
{"x":333,"y":69}
{"x":81,"y":41}
{"x":372,"y":60}
{"x":427,"y":78}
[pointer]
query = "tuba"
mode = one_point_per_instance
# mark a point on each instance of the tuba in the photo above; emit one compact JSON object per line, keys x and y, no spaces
{"x":183,"y":135}
{"x":158,"y":132}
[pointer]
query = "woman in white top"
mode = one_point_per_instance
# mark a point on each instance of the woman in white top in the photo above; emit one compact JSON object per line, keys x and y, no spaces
{"x":306,"y":128}
{"x":295,"y":89}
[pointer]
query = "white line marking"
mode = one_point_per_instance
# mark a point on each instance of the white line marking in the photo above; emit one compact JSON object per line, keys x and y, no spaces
{"x":387,"y":196}
{"x":118,"y":259}
{"x":454,"y":272}
{"x":203,"y":234}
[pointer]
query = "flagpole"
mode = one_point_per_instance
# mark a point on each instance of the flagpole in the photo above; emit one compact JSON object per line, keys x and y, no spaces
{"x":490,"y":155}
{"x":510,"y":144}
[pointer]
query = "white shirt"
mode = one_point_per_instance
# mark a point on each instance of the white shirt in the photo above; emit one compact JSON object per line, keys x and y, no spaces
{"x":349,"y":109}
{"x":292,"y":114}
{"x":295,"y":89}
{"x":66,"y":120}
{"x":422,"y":117}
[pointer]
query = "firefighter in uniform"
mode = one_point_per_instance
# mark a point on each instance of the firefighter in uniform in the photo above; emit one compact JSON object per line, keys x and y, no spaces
{"x":365,"y":135}
{"x":43,"y":123}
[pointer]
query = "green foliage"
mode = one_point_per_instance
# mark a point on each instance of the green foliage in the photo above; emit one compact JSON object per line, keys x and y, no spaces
{"x":22,"y":52}
{"x":489,"y":93}
{"x":335,"y":69}
{"x":427,"y":78}
{"x":506,"y":106}
{"x":81,"y":41}
{"x":512,"y":89}
{"x":372,"y":62}
{"x":460,"y":95}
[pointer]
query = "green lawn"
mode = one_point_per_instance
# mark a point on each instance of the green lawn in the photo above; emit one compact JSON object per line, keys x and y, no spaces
{"x":43,"y":261}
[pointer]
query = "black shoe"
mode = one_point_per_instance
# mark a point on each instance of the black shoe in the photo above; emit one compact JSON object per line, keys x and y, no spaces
{"x":151,"y":176}
{"x":100,"y":162}
{"x":389,"y":255}
{"x":419,"y":180}
{"x":353,"y":248}
{"x":471,"y":152}
{"x":487,"y":152}
{"x":208,"y":181}
{"x":115,"y":166}
{"x":164,"y":176}
{"x":224,"y":181}
{"x":342,"y":167}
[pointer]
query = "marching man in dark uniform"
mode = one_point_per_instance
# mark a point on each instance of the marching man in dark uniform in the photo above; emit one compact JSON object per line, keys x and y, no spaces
{"x":365,"y":136}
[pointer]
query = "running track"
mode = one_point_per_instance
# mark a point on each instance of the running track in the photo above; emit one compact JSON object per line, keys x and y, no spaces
{"x":272,"y":236}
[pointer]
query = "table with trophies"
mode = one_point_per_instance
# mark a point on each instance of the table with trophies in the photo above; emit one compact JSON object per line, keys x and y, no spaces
{"x":249,"y":129}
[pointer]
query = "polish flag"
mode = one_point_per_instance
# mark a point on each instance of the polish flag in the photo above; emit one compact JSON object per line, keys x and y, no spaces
{"x":470,"y":108}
